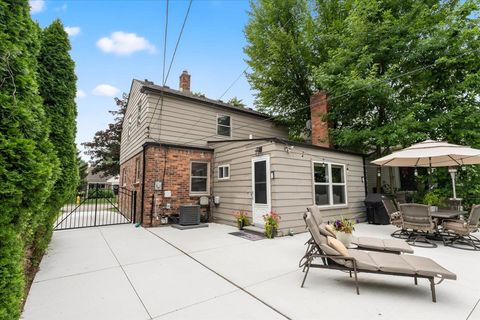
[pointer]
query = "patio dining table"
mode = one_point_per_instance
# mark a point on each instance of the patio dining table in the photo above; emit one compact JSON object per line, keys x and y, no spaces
{"x":447,"y":213}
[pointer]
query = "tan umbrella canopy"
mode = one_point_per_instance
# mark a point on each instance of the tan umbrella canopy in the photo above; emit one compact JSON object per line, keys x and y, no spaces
{"x":431,"y":153}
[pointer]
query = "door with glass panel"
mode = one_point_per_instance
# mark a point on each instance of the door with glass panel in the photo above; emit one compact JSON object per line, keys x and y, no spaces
{"x":260,"y":189}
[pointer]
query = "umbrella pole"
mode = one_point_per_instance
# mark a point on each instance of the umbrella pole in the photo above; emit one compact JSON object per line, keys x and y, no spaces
{"x":430,"y":174}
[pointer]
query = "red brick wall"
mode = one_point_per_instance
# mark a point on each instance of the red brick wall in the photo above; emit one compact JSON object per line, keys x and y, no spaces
{"x":318,"y":112}
{"x":176,"y":178}
{"x":130,"y":183}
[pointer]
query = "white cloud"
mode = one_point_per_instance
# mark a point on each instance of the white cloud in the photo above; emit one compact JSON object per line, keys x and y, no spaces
{"x":81,"y":94}
{"x":36,"y":5}
{"x":105,"y":90}
{"x":72,"y":31}
{"x":123,"y":43}
{"x":62,"y":8}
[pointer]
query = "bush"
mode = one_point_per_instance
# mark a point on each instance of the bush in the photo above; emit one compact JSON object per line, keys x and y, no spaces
{"x":100,"y":194}
{"x":12,"y":280}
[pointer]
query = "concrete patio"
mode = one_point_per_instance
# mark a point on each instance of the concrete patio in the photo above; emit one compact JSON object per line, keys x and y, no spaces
{"x":123,"y":272}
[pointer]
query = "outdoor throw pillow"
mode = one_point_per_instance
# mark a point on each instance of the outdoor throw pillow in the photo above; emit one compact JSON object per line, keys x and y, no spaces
{"x":324,"y":231}
{"x":337,"y":245}
{"x":330,"y":229}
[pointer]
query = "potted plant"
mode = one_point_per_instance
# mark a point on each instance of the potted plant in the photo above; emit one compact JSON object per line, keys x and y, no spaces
{"x":272,"y":221}
{"x":242,"y":219}
{"x":433,"y":200}
{"x":344,"y":229}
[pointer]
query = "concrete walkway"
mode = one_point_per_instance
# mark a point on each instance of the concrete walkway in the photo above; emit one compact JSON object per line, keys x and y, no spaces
{"x":123,"y":272}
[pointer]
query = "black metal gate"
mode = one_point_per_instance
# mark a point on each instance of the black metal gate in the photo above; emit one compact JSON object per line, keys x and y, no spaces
{"x":99,"y":207}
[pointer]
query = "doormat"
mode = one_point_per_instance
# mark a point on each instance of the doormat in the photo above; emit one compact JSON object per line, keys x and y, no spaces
{"x":248,"y":235}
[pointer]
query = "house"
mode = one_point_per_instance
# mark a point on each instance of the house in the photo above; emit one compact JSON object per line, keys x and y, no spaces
{"x":100,"y":181}
{"x":177,"y":147}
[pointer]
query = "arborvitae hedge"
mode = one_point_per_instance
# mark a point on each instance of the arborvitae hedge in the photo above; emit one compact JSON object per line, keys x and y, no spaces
{"x":28,"y":161}
{"x":57,"y":80}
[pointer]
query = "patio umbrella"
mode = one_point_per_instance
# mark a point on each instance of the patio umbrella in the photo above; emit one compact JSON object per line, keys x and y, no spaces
{"x":431,"y":153}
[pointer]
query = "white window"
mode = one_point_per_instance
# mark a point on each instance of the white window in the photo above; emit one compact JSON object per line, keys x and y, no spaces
{"x":224,"y":172}
{"x":137,"y":170}
{"x":330,"y":188}
{"x":124,"y":177}
{"x":224,"y":125}
{"x":129,"y":128}
{"x":199,"y":177}
{"x":139,"y":113}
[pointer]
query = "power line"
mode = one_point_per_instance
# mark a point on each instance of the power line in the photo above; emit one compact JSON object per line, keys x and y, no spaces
{"x":178,"y":41}
{"x":165,"y":44}
{"x":234,"y":81}
{"x":344,"y":94}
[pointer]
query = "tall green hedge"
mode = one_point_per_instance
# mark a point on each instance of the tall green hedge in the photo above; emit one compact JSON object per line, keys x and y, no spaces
{"x":27,"y":158}
{"x":57,"y":80}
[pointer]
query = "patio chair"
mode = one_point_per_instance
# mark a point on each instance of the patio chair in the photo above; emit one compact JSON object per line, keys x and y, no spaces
{"x":417,"y":218}
{"x":461,"y":231}
{"x":357,"y":261}
{"x":395,"y":219}
{"x":362,"y":243}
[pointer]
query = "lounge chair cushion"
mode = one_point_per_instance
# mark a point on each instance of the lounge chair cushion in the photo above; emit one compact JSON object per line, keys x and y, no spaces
{"x":316,"y":214}
{"x":397,"y":245}
{"x":388,"y":262}
{"x":330,"y":229}
{"x":363,"y":259}
{"x":370,"y":243}
{"x":427,"y":267}
{"x":337,"y":246}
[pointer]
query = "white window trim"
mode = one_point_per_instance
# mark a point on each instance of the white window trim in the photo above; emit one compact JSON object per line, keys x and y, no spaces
{"x":218,"y":171}
{"x":124,"y":177}
{"x":199,"y":193}
{"x":231,"y":125}
{"x":129,"y":124}
{"x":330,"y":185}
{"x":139,"y":113}
{"x":137,"y":170}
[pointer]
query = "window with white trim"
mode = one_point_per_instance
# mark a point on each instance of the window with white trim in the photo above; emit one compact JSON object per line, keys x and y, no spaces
{"x":137,"y":170}
{"x":129,"y":128}
{"x":224,"y":125}
{"x":139,"y":113}
{"x":330,"y":188}
{"x":124,"y":177}
{"x":199,"y":177}
{"x":224,"y":172}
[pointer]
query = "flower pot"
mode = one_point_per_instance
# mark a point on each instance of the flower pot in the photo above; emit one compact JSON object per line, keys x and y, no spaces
{"x":241,"y":224}
{"x":345,"y":238}
{"x":270,"y":231}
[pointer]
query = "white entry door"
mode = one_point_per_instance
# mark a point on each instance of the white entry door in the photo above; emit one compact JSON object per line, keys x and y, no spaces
{"x":260,"y":189}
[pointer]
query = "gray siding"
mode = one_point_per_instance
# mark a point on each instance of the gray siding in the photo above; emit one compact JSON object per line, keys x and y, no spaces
{"x":235,"y":193}
{"x":191,"y":123}
{"x":292,"y":188}
{"x":132,"y":145}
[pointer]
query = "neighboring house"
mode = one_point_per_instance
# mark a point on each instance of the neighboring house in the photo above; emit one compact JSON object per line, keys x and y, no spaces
{"x":177,"y":147}
{"x":100,"y":181}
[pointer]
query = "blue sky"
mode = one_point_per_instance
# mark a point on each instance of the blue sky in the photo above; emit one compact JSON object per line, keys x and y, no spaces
{"x":116,"y":41}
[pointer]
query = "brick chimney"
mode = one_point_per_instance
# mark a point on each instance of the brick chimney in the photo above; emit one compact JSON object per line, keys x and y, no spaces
{"x":318,"y":113}
{"x":185,"y":81}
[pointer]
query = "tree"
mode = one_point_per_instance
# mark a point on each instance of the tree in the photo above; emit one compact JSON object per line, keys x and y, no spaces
{"x":234,"y":101}
{"x":27,"y":159}
{"x":82,"y":171}
{"x":57,"y":81}
{"x":58,"y":88}
{"x":104,"y":150}
{"x":281,"y":58}
{"x":396,"y":72}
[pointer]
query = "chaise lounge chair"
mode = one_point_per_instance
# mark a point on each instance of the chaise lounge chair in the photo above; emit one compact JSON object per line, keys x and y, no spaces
{"x":357,"y":261}
{"x":363,"y":243}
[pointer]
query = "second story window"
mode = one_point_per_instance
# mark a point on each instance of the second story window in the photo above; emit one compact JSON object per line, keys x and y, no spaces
{"x":129,"y":129}
{"x":137,"y":170}
{"x":224,"y":125}
{"x":139,"y":113}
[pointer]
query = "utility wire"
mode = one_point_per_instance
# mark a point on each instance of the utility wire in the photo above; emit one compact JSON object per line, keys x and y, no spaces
{"x":165,"y":44}
{"x":234,"y":81}
{"x":165,"y":78}
{"x":178,"y":41}
{"x":344,"y":94}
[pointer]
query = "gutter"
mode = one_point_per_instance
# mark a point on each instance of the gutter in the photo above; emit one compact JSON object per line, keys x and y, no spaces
{"x":365,"y":176}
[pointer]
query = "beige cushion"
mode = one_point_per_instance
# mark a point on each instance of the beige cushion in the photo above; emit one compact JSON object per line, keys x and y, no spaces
{"x":323,"y":230}
{"x":397,"y":245}
{"x":388,"y":262}
{"x":370,"y":243}
{"x":363,"y":259}
{"x":427,"y":267}
{"x":316,"y":214}
{"x":330,"y":229}
{"x":338,"y":246}
{"x":458,"y":227}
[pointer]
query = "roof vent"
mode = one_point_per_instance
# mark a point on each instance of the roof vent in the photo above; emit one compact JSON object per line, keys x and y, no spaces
{"x":148,"y":82}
